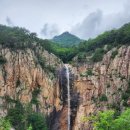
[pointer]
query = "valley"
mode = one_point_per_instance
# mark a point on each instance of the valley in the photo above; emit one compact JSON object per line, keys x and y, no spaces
{"x":46,"y":86}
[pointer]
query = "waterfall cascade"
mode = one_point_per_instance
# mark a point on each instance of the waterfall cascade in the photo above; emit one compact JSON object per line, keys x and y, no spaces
{"x":68,"y":93}
{"x":64,"y":119}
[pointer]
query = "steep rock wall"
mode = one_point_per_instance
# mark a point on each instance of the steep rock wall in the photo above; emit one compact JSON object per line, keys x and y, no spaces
{"x":104,"y":87}
{"x":101,"y":89}
{"x":22,"y":73}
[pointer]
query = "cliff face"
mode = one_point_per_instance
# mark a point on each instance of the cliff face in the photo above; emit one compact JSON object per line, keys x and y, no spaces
{"x":102,"y":85}
{"x":93,"y":87}
{"x":21,"y":74}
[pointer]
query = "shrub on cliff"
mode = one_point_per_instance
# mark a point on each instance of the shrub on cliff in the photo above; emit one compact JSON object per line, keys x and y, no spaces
{"x":16,"y":116}
{"x":103,"y":97}
{"x":98,"y":55}
{"x":114,"y":53}
{"x":35,"y":94}
{"x":2,"y":60}
{"x":41,"y":61}
{"x":23,"y":117}
{"x":37,"y":121}
{"x":89,"y":72}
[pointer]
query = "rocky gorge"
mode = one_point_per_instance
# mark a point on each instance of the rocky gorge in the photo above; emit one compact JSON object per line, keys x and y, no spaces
{"x":93,"y":86}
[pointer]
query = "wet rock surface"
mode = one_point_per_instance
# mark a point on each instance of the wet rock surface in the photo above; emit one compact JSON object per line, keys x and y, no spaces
{"x":60,"y":122}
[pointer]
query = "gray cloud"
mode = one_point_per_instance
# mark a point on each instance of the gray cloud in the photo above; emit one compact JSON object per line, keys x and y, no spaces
{"x":85,"y":18}
{"x":89,"y":26}
{"x":49,"y":30}
{"x":9,"y":22}
{"x":98,"y":22}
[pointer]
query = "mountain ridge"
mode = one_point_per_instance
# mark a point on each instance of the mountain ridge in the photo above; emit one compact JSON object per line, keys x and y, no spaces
{"x":66,"y":39}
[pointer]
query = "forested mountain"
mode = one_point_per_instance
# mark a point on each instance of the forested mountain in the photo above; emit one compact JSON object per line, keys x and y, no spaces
{"x":100,"y":45}
{"x":21,"y":38}
{"x":67,"y":40}
{"x":34,"y":82}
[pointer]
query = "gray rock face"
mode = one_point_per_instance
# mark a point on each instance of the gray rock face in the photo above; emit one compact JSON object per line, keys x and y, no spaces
{"x":103,"y":89}
{"x":22,"y":73}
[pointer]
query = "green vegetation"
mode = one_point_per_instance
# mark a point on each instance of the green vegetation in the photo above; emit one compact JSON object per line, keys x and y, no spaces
{"x":66,"y":54}
{"x":16,"y":116}
{"x":103,"y":97}
{"x":114,"y":53}
{"x":35,"y":94}
{"x":2,"y":60}
{"x":29,"y":128}
{"x":20,"y":38}
{"x":98,"y":55}
{"x":66,"y":40}
{"x":48,"y":68}
{"x":51,"y":69}
{"x":37,"y":121}
{"x":107,"y":121}
{"x":4,"y":124}
{"x":89,"y":72}
{"x":16,"y":37}
{"x":41,"y":61}
{"x":81,"y":57}
{"x":23,"y":117}
{"x":126,"y":95}
{"x":112,"y":39}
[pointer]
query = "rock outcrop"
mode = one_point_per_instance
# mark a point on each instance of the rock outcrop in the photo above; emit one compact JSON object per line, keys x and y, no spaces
{"x":103,"y":88}
{"x":93,"y":87}
{"x":22,"y":73}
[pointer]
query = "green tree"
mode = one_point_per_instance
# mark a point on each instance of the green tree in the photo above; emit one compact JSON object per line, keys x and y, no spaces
{"x":16,"y":116}
{"x":122,"y":122}
{"x":4,"y":124}
{"x":98,"y":55}
{"x":37,"y":121}
{"x":108,"y":121}
{"x":103,"y":120}
{"x":29,"y":128}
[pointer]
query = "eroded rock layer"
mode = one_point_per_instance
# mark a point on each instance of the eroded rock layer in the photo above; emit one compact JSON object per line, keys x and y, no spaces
{"x":102,"y":85}
{"x":22,"y":73}
{"x":93,"y":86}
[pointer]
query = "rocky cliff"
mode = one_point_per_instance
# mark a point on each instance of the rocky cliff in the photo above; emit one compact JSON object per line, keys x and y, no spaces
{"x":103,"y":85}
{"x":24,"y":71}
{"x":93,"y":86}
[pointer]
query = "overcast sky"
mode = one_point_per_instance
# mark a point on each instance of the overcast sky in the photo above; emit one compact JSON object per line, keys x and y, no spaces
{"x":84,"y":18}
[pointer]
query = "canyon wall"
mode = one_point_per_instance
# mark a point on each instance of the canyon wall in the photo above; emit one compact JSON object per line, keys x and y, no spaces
{"x":23,"y":72}
{"x":103,"y":85}
{"x":93,"y":86}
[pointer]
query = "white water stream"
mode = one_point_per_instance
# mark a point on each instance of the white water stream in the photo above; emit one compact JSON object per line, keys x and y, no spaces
{"x":68,"y":93}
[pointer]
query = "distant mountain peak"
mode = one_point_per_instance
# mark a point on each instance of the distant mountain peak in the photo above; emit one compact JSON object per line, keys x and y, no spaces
{"x":67,"y":39}
{"x":62,"y":34}
{"x":65,"y":32}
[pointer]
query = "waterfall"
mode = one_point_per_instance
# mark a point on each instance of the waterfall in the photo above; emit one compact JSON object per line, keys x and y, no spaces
{"x":68,"y":93}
